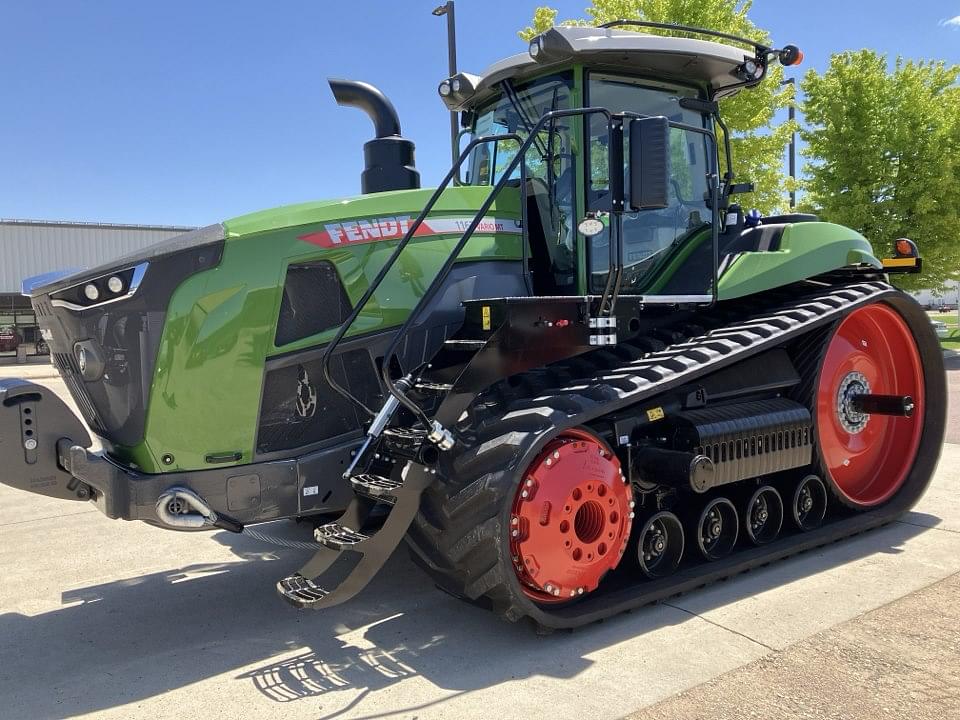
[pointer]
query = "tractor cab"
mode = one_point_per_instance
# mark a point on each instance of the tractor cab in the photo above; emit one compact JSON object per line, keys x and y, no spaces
{"x":597,"y":88}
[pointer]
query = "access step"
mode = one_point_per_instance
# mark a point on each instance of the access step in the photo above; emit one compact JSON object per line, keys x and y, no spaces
{"x":464,"y":345}
{"x":301,"y":592}
{"x":376,"y":487}
{"x":433,"y":387}
{"x":338,"y":537}
{"x":403,"y":442}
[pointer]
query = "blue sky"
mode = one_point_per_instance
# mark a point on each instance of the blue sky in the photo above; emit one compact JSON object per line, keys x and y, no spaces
{"x":188,"y":113}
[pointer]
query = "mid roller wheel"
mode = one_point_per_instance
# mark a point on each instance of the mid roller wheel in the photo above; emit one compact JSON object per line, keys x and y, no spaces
{"x":764,"y":516}
{"x":717,"y":529}
{"x":809,"y":506}
{"x":660,"y":547}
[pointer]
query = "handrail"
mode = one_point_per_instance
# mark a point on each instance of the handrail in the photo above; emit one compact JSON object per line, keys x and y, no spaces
{"x":372,"y":288}
{"x":758,"y":47}
{"x":454,"y":254}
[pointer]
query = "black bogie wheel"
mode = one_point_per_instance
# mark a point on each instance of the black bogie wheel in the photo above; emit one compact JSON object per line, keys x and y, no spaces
{"x":809,"y":503}
{"x":763,"y":516}
{"x":717,"y":529}
{"x":660,"y":545}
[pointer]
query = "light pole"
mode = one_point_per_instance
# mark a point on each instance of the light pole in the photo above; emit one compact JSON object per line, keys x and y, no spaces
{"x":447,"y":9}
{"x":793,"y":140}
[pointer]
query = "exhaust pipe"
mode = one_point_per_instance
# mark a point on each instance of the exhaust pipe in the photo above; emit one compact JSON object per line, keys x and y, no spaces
{"x":389,"y":158}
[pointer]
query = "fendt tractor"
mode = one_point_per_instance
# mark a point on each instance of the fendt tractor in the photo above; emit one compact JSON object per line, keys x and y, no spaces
{"x":577,"y":377}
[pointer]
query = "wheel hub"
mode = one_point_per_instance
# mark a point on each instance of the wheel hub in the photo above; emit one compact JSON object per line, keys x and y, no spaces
{"x":571,"y":517}
{"x":852,"y":420}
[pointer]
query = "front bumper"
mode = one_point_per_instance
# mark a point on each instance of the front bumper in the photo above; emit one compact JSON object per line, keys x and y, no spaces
{"x":46,"y":450}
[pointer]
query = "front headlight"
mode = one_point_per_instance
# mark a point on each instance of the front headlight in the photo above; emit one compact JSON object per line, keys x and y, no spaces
{"x":109,"y":288}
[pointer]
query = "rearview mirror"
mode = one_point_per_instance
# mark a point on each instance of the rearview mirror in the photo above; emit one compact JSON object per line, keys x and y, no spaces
{"x":649,"y":163}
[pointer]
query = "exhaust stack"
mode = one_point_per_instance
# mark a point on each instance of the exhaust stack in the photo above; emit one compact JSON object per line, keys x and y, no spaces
{"x":389,"y":158}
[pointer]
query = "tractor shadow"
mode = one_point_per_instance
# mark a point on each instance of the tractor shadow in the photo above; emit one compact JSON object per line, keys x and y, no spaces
{"x":127,"y":640}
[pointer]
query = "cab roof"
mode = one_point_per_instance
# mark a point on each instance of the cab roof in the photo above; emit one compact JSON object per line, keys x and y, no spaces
{"x":710,"y":65}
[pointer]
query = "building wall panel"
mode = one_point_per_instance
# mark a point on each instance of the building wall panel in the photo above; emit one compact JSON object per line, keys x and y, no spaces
{"x":30,"y":248}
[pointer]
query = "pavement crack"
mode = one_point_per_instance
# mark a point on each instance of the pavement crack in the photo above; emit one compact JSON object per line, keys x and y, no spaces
{"x":722,"y":627}
{"x":47,"y":517}
{"x":929,"y":527}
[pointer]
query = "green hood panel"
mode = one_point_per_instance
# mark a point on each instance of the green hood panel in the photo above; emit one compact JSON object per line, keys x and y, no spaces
{"x":806,"y":250}
{"x":221,"y":324}
{"x":410,"y":202}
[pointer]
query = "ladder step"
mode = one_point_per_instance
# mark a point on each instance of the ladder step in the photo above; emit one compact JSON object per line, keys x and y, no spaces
{"x":433,"y":387}
{"x":299,"y":591}
{"x":338,"y":537}
{"x":465,"y":345}
{"x":376,"y":486}
{"x":403,"y":442}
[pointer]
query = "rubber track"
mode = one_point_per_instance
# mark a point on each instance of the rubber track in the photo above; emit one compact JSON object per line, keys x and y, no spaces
{"x":460,"y":533}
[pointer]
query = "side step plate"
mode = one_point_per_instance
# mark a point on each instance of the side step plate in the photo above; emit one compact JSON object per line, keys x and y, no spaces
{"x":306,"y":588}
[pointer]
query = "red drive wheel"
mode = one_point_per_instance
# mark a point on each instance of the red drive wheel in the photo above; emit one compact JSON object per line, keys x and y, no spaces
{"x":867,"y":457}
{"x":570,"y":519}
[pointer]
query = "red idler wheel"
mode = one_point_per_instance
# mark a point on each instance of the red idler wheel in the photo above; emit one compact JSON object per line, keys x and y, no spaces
{"x":570,"y":519}
{"x":867,"y":457}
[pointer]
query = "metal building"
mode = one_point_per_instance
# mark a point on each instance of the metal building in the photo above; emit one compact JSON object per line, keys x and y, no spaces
{"x":33,"y":247}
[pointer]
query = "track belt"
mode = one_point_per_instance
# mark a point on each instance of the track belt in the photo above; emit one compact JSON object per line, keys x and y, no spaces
{"x":527,"y":425}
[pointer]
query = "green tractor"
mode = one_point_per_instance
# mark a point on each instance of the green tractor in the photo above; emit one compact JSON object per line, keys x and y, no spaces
{"x":576,"y":377}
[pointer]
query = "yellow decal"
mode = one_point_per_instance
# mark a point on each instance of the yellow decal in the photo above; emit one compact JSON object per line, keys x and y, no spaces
{"x":486,"y":317}
{"x":654,"y":414}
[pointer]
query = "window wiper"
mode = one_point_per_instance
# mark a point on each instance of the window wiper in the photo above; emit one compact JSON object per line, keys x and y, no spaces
{"x":511,"y":94}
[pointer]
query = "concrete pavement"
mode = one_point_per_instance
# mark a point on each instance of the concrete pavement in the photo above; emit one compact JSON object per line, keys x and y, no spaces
{"x":123,"y":620}
{"x":899,"y":661}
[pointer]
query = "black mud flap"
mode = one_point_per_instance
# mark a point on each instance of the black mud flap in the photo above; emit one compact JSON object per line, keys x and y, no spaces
{"x":32,"y":422}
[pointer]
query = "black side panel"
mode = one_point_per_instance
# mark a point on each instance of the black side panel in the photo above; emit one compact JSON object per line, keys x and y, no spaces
{"x":314,"y":300}
{"x":299,"y":408}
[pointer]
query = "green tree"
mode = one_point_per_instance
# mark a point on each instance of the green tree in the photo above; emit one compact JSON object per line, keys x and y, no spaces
{"x":758,"y":145}
{"x":884,"y":150}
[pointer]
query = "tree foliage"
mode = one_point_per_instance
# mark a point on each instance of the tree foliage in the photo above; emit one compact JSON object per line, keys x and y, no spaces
{"x":758,"y":146}
{"x":884,"y":150}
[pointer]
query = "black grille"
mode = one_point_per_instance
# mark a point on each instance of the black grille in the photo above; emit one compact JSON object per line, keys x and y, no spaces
{"x":314,"y":300}
{"x":299,"y":408}
{"x":67,"y":365}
